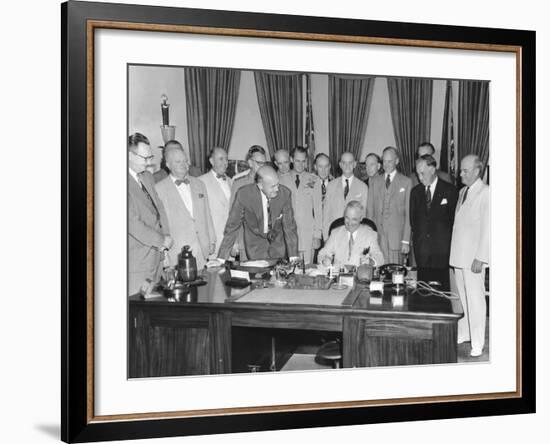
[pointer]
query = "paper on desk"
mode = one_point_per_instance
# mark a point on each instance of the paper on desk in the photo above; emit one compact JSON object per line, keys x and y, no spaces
{"x":256,"y":264}
{"x":294,"y":296}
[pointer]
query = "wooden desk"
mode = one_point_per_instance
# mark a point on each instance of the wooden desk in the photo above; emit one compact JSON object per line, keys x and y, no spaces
{"x":196,"y":337}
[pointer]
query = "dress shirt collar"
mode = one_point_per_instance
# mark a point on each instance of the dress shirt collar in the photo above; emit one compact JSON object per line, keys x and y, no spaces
{"x":392,"y":175}
{"x":134,"y":175}
{"x":432,"y":187}
{"x":477,"y":184}
{"x":175,"y":178}
{"x":350,"y":180}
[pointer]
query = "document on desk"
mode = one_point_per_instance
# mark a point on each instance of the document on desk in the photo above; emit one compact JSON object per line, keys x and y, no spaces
{"x":294,"y":296}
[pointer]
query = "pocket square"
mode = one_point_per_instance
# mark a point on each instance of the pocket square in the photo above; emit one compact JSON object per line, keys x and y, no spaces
{"x":402,"y":190}
{"x":444,"y":202}
{"x":280,"y":217}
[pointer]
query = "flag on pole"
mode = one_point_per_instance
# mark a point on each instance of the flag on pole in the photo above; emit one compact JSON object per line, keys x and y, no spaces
{"x":447,"y":159}
{"x":310,"y":132}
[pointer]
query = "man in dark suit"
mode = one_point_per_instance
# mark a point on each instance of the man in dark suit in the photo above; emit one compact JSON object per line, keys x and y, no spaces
{"x":148,"y":236}
{"x":264,"y":211}
{"x":433,"y":203}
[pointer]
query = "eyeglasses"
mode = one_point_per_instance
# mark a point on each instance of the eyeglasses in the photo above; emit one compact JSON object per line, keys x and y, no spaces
{"x":146,"y":158}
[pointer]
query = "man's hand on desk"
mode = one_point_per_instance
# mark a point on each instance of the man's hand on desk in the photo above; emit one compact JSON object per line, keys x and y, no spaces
{"x":293,"y":259}
{"x":218,"y":262}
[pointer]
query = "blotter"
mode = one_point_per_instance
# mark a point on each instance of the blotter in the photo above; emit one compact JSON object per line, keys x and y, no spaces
{"x":299,"y":297}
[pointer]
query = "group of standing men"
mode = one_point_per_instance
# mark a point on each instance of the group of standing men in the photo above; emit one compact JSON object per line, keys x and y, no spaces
{"x":289,"y":212}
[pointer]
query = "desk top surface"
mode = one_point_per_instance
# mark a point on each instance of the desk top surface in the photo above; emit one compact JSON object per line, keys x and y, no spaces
{"x":398,"y":302}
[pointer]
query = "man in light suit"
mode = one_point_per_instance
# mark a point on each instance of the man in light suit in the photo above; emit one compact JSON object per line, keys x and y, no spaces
{"x":186,"y":203}
{"x":256,"y":158}
{"x":470,"y":251}
{"x":423,"y":149}
{"x":432,"y":213}
{"x":348,"y":243}
{"x":218,"y":188}
{"x":342,"y":190}
{"x":148,"y":228}
{"x":388,"y":208}
{"x":301,"y":183}
{"x":264,"y":211}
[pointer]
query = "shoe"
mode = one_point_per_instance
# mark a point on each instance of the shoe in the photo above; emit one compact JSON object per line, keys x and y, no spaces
{"x":462,"y":341}
{"x":476,"y":352}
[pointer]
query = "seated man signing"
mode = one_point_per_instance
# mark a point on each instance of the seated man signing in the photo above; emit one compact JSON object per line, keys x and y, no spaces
{"x":264,"y":210}
{"x":347,"y":243}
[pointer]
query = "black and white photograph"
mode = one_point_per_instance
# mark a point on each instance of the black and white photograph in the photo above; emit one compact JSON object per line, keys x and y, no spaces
{"x":282,"y":221}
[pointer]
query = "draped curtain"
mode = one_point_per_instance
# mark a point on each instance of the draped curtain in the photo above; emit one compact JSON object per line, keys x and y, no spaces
{"x":411,"y":113}
{"x":211,"y":105}
{"x":349,"y":101}
{"x":280,"y":101}
{"x":473,"y":119}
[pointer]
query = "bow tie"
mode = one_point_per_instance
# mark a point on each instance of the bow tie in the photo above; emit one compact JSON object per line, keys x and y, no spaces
{"x":221,"y":176}
{"x":179,"y":182}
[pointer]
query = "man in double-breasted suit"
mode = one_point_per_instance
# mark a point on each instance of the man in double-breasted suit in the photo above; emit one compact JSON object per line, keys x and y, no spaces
{"x":388,"y":208}
{"x":264,"y":211}
{"x":148,"y":227}
{"x":342,"y":190}
{"x":432,"y":212}
{"x":302,"y":183}
{"x":186,"y":203}
{"x":218,"y":188}
{"x":470,"y":251}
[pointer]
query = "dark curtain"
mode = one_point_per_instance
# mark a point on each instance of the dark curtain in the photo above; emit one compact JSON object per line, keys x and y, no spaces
{"x":211,"y":104}
{"x":473,"y":119}
{"x":349,"y":100}
{"x":280,"y":101}
{"x":411,"y":113}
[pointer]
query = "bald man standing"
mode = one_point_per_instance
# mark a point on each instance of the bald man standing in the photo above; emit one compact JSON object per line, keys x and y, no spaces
{"x":470,"y":251}
{"x":282,"y":162}
{"x":264,"y":211}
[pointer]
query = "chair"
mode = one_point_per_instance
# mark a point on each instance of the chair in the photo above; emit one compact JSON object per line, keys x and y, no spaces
{"x":340,"y":221}
{"x":332,"y":351}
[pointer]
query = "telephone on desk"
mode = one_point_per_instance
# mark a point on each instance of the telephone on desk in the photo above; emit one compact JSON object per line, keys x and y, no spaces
{"x":386,"y":271}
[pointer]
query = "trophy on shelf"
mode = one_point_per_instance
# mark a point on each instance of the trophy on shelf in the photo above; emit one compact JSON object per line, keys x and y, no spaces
{"x":168,"y":131}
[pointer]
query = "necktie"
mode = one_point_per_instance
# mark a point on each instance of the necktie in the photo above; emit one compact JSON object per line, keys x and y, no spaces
{"x":323,"y":190}
{"x":388,"y":181}
{"x":221,"y":176}
{"x":269,"y":226}
{"x":350,"y":245}
{"x":150,"y":200}
{"x":297,"y":181}
{"x":179,"y":182}
{"x":346,"y":189}
{"x":428,"y":198}
{"x":465,"y":194}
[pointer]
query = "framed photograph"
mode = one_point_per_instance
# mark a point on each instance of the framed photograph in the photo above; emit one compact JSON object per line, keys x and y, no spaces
{"x":236,"y":268}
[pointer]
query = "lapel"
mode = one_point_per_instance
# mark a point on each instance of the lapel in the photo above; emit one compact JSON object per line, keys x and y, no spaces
{"x":195,"y":191}
{"x":256,"y":202}
{"x":395,"y":185}
{"x":438,"y":195}
{"x":135,"y":189}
